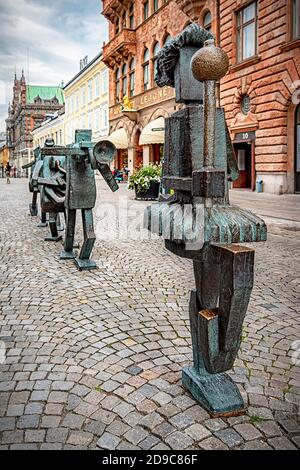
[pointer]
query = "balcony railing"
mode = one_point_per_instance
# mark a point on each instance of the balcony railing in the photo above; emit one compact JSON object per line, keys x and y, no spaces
{"x":120,"y":47}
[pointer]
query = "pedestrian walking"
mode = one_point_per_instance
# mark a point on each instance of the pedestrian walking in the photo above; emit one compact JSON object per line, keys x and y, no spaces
{"x":7,"y":172}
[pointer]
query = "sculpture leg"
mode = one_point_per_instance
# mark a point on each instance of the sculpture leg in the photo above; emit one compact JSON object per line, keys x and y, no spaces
{"x":59,"y":223}
{"x":83,"y":261}
{"x":68,"y":252}
{"x":53,"y":228}
{"x":43,"y":222}
{"x":33,"y":206}
{"x":217,"y":310}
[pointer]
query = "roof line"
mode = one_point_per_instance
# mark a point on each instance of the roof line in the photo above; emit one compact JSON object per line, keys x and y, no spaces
{"x":83,"y":70}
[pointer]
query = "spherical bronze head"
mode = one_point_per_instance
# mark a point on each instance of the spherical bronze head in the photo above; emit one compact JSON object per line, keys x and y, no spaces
{"x":209,"y":63}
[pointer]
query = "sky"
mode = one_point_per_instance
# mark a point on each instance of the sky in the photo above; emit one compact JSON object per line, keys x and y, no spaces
{"x":54,"y":34}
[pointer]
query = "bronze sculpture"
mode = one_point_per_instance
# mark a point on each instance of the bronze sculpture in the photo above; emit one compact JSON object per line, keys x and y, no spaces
{"x":67,"y":181}
{"x":198,"y":162}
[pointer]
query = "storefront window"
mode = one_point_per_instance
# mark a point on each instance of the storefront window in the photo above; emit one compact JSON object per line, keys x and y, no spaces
{"x":247,"y":32}
{"x":146,"y":69}
{"x":132,"y":77}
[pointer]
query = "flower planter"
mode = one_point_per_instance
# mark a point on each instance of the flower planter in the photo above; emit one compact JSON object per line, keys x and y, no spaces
{"x":151,"y":194}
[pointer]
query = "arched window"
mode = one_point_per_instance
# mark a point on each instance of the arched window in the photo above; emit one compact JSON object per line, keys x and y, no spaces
{"x":146,"y":69}
{"x":117,"y":82}
{"x":156,"y":50}
{"x":167,"y":39}
{"x":207,"y":21}
{"x":124,"y":80}
{"x":131,"y":77}
{"x":131,"y":15}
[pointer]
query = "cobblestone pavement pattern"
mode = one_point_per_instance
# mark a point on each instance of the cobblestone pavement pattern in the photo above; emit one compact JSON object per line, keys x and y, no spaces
{"x":93,"y":359}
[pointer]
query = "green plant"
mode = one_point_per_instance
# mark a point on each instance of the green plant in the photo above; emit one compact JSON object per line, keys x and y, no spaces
{"x":141,"y":179}
{"x":256,"y":419}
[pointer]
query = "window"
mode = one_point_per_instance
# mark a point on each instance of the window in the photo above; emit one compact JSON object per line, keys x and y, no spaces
{"x":97,"y":119}
{"x":123,"y":20}
{"x":104,"y":81}
{"x":247,"y":32}
{"x":295,"y":19}
{"x":105,"y":117}
{"x":97,"y":85}
{"x":117,"y":27}
{"x":82,"y":119}
{"x":72,"y":104}
{"x":297,"y":149}
{"x":131,"y":77}
{"x":167,"y":39}
{"x":155,"y":5}
{"x":146,"y":10}
{"x":146,"y":69}
{"x":83,"y":96}
{"x":117,"y":82}
{"x":90,"y":120}
{"x":124,"y":80}
{"x":207,"y":21}
{"x":67,"y":105}
{"x":77,"y":101}
{"x":90,"y":90}
{"x":60,"y":137}
{"x":155,"y":52}
{"x":131,"y":16}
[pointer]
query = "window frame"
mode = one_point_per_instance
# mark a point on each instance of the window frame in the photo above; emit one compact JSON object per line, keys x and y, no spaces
{"x":131,"y":77}
{"x":146,"y":66}
{"x":240,"y":32}
{"x":146,"y":12}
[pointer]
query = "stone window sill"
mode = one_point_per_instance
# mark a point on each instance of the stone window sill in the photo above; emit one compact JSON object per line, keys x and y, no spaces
{"x":245,"y":63}
{"x":291,"y":45}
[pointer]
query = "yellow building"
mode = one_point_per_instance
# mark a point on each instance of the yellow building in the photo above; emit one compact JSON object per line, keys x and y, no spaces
{"x":86,"y":100}
{"x":52,"y":127}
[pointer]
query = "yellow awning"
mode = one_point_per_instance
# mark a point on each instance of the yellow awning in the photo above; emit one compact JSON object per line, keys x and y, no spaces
{"x":154,"y":132}
{"x":118,"y":138}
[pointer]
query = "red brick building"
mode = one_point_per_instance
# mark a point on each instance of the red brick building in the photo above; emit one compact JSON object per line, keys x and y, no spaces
{"x":259,"y":93}
{"x":28,"y":109}
{"x":137,"y":31}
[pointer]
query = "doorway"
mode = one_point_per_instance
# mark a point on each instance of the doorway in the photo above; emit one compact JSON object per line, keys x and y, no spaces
{"x":297,"y":150}
{"x":243,"y":153}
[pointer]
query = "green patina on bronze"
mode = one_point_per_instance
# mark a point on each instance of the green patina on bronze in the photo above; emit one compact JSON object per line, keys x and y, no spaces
{"x":199,"y":223}
{"x":65,"y":178}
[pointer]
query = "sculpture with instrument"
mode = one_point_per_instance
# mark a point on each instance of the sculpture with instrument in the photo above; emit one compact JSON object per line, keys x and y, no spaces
{"x":199,"y":223}
{"x":66,"y":180}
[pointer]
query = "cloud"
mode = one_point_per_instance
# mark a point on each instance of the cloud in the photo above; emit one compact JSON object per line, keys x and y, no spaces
{"x":53,"y":35}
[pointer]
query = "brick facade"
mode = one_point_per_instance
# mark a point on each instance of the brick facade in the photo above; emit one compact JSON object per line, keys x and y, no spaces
{"x":24,"y":114}
{"x":265,"y":81}
{"x":130,"y":40}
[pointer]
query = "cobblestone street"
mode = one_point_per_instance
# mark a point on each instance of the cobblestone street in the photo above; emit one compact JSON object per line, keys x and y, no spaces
{"x":94,"y":359}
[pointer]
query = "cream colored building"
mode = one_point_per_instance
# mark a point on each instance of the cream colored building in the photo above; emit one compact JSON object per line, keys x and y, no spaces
{"x":86,"y":100}
{"x":53,"y":127}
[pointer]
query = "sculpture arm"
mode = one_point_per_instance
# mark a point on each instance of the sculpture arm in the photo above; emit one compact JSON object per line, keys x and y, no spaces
{"x":108,"y":176}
